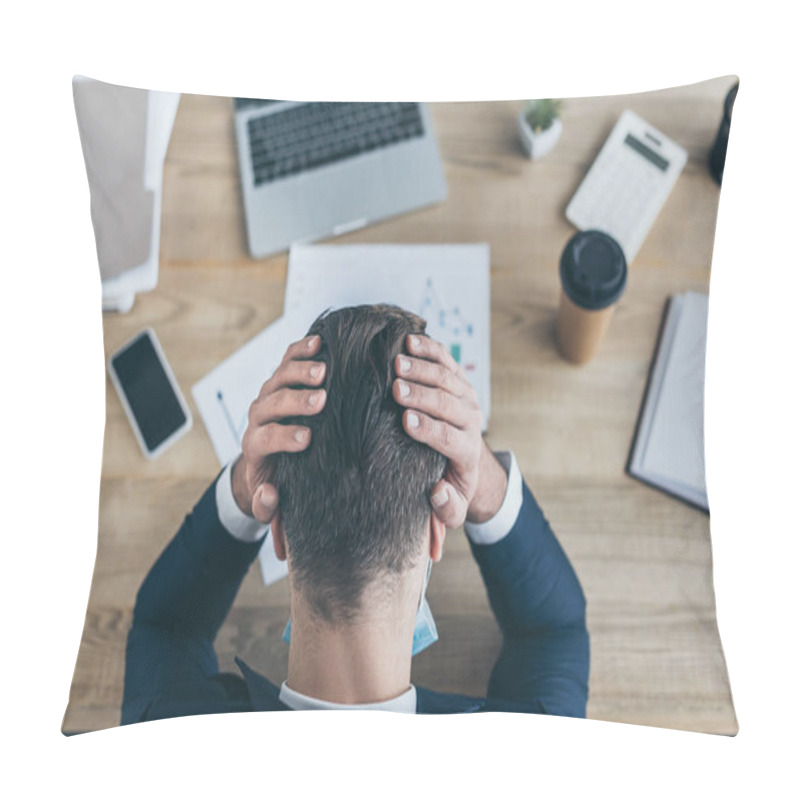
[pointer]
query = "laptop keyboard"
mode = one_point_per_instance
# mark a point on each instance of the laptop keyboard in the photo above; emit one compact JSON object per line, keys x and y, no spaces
{"x":313,"y":135}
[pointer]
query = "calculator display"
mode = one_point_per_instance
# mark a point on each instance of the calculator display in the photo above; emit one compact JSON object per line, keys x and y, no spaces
{"x":650,"y":154}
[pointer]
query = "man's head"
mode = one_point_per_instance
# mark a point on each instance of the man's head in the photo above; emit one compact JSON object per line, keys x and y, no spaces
{"x":354,"y":505}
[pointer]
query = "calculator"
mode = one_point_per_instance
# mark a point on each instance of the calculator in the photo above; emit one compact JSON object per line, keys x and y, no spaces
{"x":628,"y":182}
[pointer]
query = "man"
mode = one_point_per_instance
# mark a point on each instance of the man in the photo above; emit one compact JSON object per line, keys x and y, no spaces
{"x":360,"y":450}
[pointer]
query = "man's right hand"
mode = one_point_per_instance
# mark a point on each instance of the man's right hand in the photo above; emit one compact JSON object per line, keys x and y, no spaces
{"x":266,"y":434}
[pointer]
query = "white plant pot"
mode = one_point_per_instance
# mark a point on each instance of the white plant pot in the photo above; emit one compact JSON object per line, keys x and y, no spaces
{"x":538,"y":145}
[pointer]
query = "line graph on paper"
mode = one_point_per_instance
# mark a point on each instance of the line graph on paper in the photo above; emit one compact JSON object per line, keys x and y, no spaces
{"x":447,"y":324}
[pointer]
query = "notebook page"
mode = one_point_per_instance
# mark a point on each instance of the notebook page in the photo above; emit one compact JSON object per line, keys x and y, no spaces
{"x":675,"y":449}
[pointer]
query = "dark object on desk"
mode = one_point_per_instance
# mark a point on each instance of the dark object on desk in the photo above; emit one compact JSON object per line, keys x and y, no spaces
{"x":668,"y":450}
{"x":149,"y":393}
{"x":593,"y":276}
{"x":716,"y":158}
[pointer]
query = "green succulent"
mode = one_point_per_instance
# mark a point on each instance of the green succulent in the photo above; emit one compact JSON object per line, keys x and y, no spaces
{"x":540,"y":114}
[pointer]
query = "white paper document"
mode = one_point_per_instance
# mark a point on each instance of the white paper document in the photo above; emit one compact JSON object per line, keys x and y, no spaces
{"x":224,"y":396}
{"x":447,"y":285}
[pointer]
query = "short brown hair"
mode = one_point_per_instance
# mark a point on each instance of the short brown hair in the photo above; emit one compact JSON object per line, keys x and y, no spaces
{"x":354,"y":504}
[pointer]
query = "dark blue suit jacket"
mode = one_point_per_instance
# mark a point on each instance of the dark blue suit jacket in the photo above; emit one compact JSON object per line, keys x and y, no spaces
{"x":171,"y":669}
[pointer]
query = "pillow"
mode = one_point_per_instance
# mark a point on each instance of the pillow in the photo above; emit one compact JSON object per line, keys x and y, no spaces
{"x":558,"y":230}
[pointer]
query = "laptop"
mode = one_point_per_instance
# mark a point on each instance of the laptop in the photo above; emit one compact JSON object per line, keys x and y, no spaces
{"x":313,"y":170}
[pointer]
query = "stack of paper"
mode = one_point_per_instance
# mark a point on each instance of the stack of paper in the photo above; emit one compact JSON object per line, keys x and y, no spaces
{"x":447,"y":285}
{"x":124,"y":135}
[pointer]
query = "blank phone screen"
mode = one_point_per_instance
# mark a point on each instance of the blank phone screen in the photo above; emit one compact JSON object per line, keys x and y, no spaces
{"x":148,"y":391}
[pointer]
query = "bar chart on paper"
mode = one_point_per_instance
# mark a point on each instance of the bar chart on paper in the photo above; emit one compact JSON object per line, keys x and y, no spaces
{"x":448,"y":325}
{"x":447,"y":285}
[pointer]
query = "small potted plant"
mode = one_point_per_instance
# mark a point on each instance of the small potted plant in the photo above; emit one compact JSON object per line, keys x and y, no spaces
{"x":539,"y":127}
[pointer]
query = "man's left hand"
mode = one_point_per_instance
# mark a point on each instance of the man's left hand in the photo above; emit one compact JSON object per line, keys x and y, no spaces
{"x":443,"y":412}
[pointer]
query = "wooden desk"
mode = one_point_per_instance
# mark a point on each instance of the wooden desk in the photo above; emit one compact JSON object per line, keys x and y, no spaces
{"x":644,"y":559}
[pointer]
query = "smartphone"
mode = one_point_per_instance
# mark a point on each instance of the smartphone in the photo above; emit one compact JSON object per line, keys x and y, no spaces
{"x":150,"y":395}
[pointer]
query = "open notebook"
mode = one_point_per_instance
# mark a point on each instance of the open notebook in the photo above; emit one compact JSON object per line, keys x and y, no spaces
{"x":667,"y":450}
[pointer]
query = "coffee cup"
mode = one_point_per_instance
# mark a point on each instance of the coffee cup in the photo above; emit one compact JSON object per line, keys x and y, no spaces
{"x":593,"y":274}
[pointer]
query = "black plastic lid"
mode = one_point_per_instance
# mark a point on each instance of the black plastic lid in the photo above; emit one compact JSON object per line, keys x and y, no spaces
{"x":593,"y":270}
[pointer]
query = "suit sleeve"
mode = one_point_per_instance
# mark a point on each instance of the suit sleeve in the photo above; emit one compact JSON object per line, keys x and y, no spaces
{"x":179,"y":610}
{"x":541,"y":610}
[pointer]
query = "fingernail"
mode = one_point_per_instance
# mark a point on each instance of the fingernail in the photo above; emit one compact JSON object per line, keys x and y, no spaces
{"x":412,"y":420}
{"x":415,"y":341}
{"x":405,"y":364}
{"x":313,"y":398}
{"x":301,"y":435}
{"x":314,"y":371}
{"x":311,"y":342}
{"x":405,"y":389}
{"x":440,"y":498}
{"x":265,"y":500}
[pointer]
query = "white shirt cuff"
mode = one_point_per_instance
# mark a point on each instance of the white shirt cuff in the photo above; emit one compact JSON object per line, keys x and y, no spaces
{"x":405,"y":703}
{"x":500,"y":525}
{"x":238,"y":524}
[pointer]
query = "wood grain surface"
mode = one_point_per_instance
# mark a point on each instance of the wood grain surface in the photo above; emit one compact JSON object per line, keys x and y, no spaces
{"x":644,"y":559}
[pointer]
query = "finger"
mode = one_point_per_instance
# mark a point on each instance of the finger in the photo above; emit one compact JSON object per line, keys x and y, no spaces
{"x":284,"y":403}
{"x":305,"y":348}
{"x":431,"y":373}
{"x":264,"y":440}
{"x":448,"y":504}
{"x":434,"y":402}
{"x":265,"y":503}
{"x":295,"y":373}
{"x":425,"y":347}
{"x":446,"y":439}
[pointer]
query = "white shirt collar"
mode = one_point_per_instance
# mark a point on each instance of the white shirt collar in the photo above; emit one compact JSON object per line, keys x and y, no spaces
{"x":405,"y":703}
